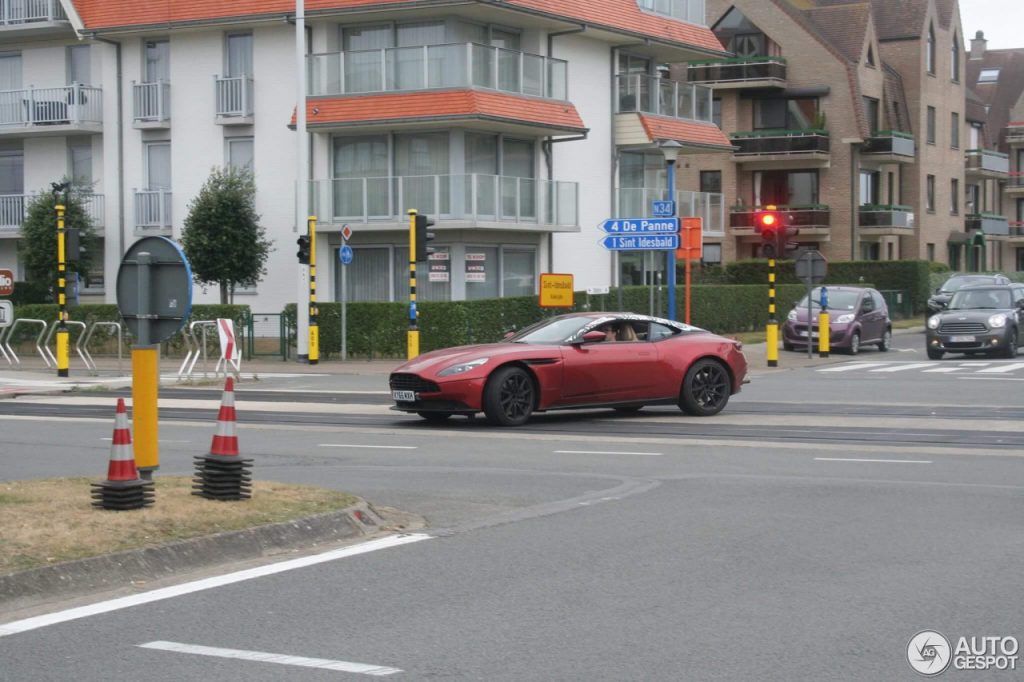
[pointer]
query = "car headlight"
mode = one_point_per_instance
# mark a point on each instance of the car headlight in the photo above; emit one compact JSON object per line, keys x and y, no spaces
{"x":461,"y":368}
{"x":792,"y":316}
{"x":997,"y":321}
{"x":845,"y":318}
{"x":933,"y":322}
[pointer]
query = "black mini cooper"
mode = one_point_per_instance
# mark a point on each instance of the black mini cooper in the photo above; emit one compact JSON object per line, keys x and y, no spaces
{"x":979,"y":319}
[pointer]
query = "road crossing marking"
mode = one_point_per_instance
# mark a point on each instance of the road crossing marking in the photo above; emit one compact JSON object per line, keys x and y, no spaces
{"x":1002,"y":368}
{"x":605,"y":452}
{"x":945,"y":369}
{"x":900,"y":368}
{"x":873,"y":461}
{"x":281,"y":659}
{"x":852,"y":366}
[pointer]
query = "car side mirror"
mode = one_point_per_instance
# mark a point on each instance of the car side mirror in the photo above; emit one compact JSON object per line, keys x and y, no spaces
{"x":1020,"y":304}
{"x":590,"y":337}
{"x":508,"y":335}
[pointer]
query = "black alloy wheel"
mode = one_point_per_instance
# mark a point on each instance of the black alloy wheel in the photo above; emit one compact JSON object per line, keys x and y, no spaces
{"x":509,"y":397}
{"x":706,"y":388}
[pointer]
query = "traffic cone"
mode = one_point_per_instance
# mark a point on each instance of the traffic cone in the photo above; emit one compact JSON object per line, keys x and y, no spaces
{"x":223,"y":474}
{"x":123,"y":488}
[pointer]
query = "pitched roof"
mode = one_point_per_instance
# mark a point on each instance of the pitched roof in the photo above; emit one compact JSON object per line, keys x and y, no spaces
{"x":845,"y":26}
{"x":691,"y":133}
{"x":445,"y":105}
{"x":896,"y":19}
{"x":1002,"y":95}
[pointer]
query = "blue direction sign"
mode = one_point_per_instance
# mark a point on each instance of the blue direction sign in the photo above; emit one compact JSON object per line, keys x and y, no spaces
{"x":641,"y":242}
{"x":663,"y":209}
{"x":345,"y":254}
{"x":641,"y":226}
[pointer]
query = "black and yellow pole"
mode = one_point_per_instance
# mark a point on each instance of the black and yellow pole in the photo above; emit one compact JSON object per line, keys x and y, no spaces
{"x":773,"y":324}
{"x":314,"y":312}
{"x":413,"y":337}
{"x":62,"y":311}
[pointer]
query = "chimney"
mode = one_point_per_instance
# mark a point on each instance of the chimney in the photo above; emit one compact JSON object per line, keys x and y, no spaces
{"x":978,"y":45}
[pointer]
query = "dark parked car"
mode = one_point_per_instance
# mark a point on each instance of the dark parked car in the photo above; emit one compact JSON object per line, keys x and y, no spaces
{"x":938,"y":301}
{"x":979,"y":319}
{"x":857,"y":316}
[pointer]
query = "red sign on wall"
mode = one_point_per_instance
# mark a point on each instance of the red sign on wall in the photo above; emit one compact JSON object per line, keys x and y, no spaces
{"x":6,"y":282}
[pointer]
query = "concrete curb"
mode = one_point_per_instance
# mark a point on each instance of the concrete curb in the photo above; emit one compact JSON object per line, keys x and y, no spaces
{"x":113,"y":571}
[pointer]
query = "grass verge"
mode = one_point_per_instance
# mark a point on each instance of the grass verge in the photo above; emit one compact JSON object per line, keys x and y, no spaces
{"x":45,"y":522}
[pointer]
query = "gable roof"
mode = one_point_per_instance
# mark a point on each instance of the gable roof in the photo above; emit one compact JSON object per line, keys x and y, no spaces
{"x":899,"y":19}
{"x":1002,"y":95}
{"x":845,"y":26}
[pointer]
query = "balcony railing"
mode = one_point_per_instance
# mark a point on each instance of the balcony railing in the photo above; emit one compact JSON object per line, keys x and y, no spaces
{"x":1015,"y":180}
{"x":766,"y":142}
{"x":636,"y":203}
{"x":472,"y":197}
{"x":233,"y":95}
{"x":152,"y":102}
{"x":889,"y":142}
{"x":1016,"y":228}
{"x":12,"y":209}
{"x":426,"y":67}
{"x":737,"y":70}
{"x":641,"y":93}
{"x":807,"y":216}
{"x":1015,"y":132}
{"x":15,"y":12}
{"x":986,"y":160}
{"x":73,"y":104}
{"x":896,"y":216}
{"x":686,"y":10}
{"x":988,"y":223}
{"x":152,"y":210}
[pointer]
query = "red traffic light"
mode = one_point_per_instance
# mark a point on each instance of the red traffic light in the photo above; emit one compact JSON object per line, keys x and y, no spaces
{"x":767,"y":219}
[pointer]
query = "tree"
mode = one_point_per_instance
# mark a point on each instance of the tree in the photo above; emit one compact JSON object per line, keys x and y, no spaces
{"x":37,"y":247}
{"x":223,"y":239}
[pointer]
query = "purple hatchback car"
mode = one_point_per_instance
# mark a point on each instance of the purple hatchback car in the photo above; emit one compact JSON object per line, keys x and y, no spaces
{"x":857,"y":316}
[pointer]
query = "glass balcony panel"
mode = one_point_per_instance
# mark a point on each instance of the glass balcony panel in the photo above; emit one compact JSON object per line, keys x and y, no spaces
{"x":446,"y":65}
{"x":405,"y":68}
{"x":667,"y":105}
{"x":533,"y":75}
{"x":484,"y":61}
{"x":509,"y":78}
{"x":558,"y":79}
{"x":486,"y":197}
{"x":363,"y":71}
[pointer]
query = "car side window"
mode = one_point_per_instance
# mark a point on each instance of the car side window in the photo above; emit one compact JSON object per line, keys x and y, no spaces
{"x":879,"y":300}
{"x":867,"y":304}
{"x":660,"y":331}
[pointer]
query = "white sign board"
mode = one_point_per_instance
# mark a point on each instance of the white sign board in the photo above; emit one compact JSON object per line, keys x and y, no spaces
{"x":6,"y":314}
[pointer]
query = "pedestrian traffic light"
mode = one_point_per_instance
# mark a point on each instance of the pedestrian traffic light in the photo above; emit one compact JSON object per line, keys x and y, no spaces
{"x":303,"y":252}
{"x":422,"y":237}
{"x":768,"y":223}
{"x":786,"y":247}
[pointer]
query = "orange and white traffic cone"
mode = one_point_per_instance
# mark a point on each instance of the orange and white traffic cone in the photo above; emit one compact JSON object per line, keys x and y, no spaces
{"x":223,"y":474}
{"x":225,"y":441}
{"x":123,"y":488}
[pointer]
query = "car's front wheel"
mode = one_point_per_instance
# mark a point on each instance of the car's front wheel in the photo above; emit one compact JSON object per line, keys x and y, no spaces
{"x":854,"y":343}
{"x":935,"y":354}
{"x":509,"y":397}
{"x":886,"y":343}
{"x":1011,"y":345}
{"x":706,"y":388}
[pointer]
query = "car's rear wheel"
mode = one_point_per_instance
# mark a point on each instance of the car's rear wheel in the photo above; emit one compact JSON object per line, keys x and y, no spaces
{"x":935,"y":354}
{"x":1011,"y":345}
{"x":854,"y":344}
{"x":435,"y":417}
{"x":886,"y":343}
{"x":706,"y":388}
{"x":509,"y":397}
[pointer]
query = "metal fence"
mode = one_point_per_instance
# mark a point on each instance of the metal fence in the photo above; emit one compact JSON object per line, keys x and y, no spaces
{"x":899,"y":302}
{"x":74,"y":104}
{"x":267,"y":335}
{"x":152,"y":101}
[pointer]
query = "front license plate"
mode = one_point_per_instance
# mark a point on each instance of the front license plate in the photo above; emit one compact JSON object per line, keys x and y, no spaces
{"x":814,"y":335}
{"x":404,"y":396}
{"x":961,"y":339}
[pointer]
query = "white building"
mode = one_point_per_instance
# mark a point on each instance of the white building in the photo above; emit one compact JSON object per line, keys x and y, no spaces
{"x":518,"y":126}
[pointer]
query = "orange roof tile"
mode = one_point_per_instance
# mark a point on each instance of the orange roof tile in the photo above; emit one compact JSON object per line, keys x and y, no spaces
{"x":442,"y":104}
{"x":685,"y":132}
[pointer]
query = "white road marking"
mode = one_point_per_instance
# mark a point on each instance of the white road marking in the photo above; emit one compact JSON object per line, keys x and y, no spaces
{"x":356,"y":445}
{"x":1002,"y":368}
{"x":943,"y":369}
{"x":853,"y":366}
{"x":990,"y":378}
{"x":205,"y":584}
{"x":604,"y":452}
{"x":876,"y":461}
{"x":282,"y":659}
{"x":900,"y":368}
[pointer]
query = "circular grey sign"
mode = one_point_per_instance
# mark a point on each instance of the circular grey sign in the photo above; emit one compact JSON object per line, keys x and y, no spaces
{"x":154,"y":289}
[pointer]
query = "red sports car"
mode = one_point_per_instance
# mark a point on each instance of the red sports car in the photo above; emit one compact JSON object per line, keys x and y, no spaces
{"x":618,"y":360}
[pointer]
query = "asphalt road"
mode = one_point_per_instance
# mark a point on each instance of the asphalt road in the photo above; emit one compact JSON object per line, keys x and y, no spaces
{"x":807,"y":533}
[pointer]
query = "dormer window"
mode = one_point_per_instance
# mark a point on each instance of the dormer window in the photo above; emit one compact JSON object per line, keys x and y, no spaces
{"x":988,"y":76}
{"x":871,"y":56}
{"x":930,"y":51}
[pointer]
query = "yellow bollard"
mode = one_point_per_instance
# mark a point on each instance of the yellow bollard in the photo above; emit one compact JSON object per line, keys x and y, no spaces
{"x":823,"y":334}
{"x":145,"y":385}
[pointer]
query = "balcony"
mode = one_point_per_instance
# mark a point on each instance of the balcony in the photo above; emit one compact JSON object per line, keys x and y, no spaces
{"x":636,"y":203}
{"x":426,"y":67}
{"x":32,"y":16}
{"x":985,"y":163}
{"x":643,"y":94}
{"x":888,"y":146}
{"x":885,"y":219}
{"x":1015,"y":183}
{"x":475,"y":200}
{"x":151,"y":105}
{"x":989,"y":223}
{"x":51,"y":111}
{"x":1015,"y":133}
{"x":740,"y":73}
{"x":234,"y":98}
{"x":12,"y":211}
{"x":766,"y":149}
{"x":811,"y":219}
{"x":153,"y":211}
{"x":1016,"y":235}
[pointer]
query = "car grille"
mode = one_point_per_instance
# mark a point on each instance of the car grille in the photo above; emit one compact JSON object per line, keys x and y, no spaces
{"x":411,"y":382}
{"x":962,"y":328}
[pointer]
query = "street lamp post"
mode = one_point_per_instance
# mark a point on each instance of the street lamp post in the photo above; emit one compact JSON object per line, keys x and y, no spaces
{"x":670,"y":149}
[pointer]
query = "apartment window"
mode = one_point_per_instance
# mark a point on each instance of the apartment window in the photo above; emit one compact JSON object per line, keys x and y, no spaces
{"x":787,"y":114}
{"x":954,"y":133}
{"x":872,"y":113}
{"x":711,"y":181}
{"x":930,"y":250}
{"x":930,"y":125}
{"x":158,"y":165}
{"x":785,"y":188}
{"x":892,"y":196}
{"x":436,"y":285}
{"x":716,"y":111}
{"x":80,"y":161}
{"x":954,"y":61}
{"x":930,"y":51}
{"x":972,"y":197}
{"x":518,"y":271}
{"x":79,"y":65}
{"x":12,"y":170}
{"x":869,"y":187}
{"x":930,"y":194}
{"x":685,"y":10}
{"x":974,"y":141}
{"x":238,"y":55}
{"x":954,"y":196}
{"x":239,"y":152}
{"x":158,"y":60}
{"x":988,"y":76}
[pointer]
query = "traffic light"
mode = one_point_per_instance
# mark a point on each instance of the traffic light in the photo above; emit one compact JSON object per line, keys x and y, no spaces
{"x":303,"y":252}
{"x":768,"y":224}
{"x":786,"y":247}
{"x":72,"y":245}
{"x":422,"y":237}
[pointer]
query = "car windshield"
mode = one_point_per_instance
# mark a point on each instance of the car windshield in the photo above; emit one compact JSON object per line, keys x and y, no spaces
{"x":838,"y":299}
{"x":558,"y":330}
{"x":983,"y":299}
{"x":958,"y":283}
